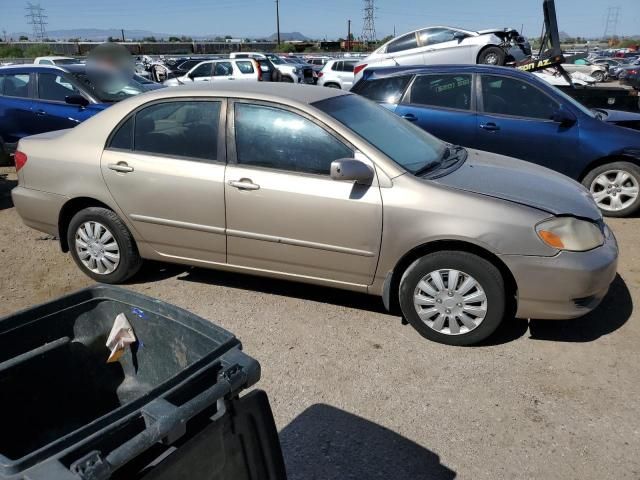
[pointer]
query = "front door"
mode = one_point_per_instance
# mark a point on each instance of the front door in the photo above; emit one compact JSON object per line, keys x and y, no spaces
{"x":514,"y":119}
{"x":284,"y":212}
{"x":441,"y":47}
{"x":165,"y":169}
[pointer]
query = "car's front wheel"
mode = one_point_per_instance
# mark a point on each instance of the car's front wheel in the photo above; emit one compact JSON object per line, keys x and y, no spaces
{"x":598,"y":76}
{"x":492,"y":56}
{"x":102,"y":246}
{"x":453,"y":297}
{"x":615,"y":188}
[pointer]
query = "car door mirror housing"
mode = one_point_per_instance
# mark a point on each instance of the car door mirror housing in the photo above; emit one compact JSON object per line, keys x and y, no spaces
{"x":76,"y":100}
{"x":563,"y":117}
{"x":459,"y":36}
{"x":350,"y":169}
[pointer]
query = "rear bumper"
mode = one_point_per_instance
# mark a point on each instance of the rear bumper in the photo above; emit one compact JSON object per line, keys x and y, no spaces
{"x":38,"y":210}
{"x":568,"y":285}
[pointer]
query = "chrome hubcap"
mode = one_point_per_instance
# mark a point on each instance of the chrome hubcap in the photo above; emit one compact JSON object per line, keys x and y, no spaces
{"x":491,"y":59}
{"x":614,"y":190}
{"x":450,"y":302}
{"x":97,"y":248}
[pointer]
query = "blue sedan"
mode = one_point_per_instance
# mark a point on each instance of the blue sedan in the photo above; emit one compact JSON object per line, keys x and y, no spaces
{"x":514,"y":113}
{"x":37,"y":99}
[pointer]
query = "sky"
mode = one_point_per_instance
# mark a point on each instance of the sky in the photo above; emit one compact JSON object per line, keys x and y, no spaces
{"x":318,"y":18}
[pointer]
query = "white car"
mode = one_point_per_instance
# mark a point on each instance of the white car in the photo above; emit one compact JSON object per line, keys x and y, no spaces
{"x":337,"y":73}
{"x":449,"y":45}
{"x":220,"y":71}
{"x":53,"y":60}
{"x":289,"y":72}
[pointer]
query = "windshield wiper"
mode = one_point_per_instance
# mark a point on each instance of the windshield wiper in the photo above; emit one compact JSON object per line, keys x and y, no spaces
{"x":451,"y":154}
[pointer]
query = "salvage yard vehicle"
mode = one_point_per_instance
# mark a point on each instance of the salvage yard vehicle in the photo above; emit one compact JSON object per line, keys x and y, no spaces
{"x":241,"y":70}
{"x":337,"y":73}
{"x":53,"y":60}
{"x":511,"y":112}
{"x":632,"y":78}
{"x":321,"y":186}
{"x":449,"y":45}
{"x":584,"y":66}
{"x":39,"y":98}
{"x":290,"y":73}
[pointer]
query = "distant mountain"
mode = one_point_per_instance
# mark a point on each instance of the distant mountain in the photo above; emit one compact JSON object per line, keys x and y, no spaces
{"x":98,"y":35}
{"x":289,"y":36}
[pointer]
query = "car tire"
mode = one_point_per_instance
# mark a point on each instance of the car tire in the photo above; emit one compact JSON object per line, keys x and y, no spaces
{"x":598,"y":76}
{"x":93,"y":252}
{"x":466,"y":307}
{"x":287,"y":79}
{"x":492,"y":56}
{"x":615,"y":188}
{"x":332,"y":85}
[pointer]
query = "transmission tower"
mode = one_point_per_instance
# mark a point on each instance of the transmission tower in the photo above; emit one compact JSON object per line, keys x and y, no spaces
{"x":36,"y":18}
{"x":368,"y":26}
{"x":611,"y":25}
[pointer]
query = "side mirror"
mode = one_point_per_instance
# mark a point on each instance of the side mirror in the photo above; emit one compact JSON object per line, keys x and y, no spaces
{"x":76,"y":100}
{"x":190,"y":75}
{"x":350,"y":169}
{"x":459,"y":36}
{"x":563,"y":117}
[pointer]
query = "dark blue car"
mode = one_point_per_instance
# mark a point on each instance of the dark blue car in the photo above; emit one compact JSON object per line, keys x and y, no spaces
{"x":510,"y":112}
{"x":37,"y":99}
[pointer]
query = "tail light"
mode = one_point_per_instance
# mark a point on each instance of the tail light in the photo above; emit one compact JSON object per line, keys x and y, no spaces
{"x":358,"y":68}
{"x":259,"y":68}
{"x":320,"y":74}
{"x":633,"y":72}
{"x":20,"y":158}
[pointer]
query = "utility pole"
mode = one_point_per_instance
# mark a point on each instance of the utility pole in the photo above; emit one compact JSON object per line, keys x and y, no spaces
{"x":368,"y":27}
{"x":278,"y":19}
{"x":348,"y":35}
{"x":4,"y":34}
{"x":37,"y":19}
{"x":122,"y":31}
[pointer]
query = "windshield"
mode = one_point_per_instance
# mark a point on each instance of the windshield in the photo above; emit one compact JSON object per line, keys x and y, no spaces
{"x":129,"y":90}
{"x":275,"y":59}
{"x":409,"y":146}
{"x":572,"y":101}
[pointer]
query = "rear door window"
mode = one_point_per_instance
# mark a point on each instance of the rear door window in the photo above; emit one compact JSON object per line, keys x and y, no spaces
{"x":245,"y":67}
{"x":16,"y":85}
{"x":406,"y":42}
{"x":446,"y":91}
{"x":203,"y":70}
{"x":510,"y":96}
{"x":384,"y":90}
{"x":348,"y":66}
{"x":187,"y":129}
{"x":223,"y":69}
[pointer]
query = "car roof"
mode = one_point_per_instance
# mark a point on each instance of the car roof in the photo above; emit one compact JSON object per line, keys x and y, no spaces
{"x":31,"y":68}
{"x":54,"y":57}
{"x":269,"y":91}
{"x":382,"y":72}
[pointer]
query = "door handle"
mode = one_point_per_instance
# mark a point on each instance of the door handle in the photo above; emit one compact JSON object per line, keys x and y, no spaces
{"x":490,"y":127}
{"x":244,"y":184}
{"x":410,"y":116}
{"x":40,"y":112}
{"x":230,"y":78}
{"x":121,"y":167}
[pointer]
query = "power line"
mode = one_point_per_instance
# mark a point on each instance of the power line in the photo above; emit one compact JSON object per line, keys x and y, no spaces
{"x":37,"y":19}
{"x":611,"y":25}
{"x":368,"y":26}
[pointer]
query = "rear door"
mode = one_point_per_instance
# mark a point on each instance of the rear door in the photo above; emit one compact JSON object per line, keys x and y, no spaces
{"x":514,"y":119}
{"x":51,"y":111}
{"x":17,"y":118}
{"x":165,"y":167}
{"x":346,"y":74}
{"x":223,"y":72}
{"x":405,"y":50}
{"x":443,"y":105}
{"x":246,"y":70}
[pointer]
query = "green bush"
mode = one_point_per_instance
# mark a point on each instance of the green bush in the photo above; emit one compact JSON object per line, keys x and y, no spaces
{"x":37,"y":51}
{"x":286,"y":48}
{"x":10,"y":51}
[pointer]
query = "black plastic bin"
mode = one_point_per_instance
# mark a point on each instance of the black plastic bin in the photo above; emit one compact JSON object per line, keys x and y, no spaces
{"x":168,"y":409}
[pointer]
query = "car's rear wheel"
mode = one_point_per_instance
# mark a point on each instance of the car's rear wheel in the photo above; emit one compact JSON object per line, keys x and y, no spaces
{"x":453,"y":297}
{"x":332,"y":85}
{"x":615,"y":188}
{"x":102,"y":246}
{"x":492,"y":56}
{"x":598,"y":76}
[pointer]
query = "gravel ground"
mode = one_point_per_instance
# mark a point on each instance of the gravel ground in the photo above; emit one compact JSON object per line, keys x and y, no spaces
{"x":357,"y":395}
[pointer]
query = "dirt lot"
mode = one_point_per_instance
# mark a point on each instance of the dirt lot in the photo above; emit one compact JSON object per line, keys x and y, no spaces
{"x":357,"y":395}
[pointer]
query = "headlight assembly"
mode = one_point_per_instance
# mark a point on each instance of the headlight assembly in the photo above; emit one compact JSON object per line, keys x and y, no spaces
{"x":569,"y":233}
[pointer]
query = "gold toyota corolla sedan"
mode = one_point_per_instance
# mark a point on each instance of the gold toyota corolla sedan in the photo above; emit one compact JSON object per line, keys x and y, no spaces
{"x":324,"y":187}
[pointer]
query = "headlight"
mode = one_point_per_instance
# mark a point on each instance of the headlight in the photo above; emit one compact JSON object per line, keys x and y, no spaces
{"x":569,"y":233}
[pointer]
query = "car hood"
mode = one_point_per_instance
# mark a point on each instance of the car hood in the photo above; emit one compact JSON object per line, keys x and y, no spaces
{"x":522,"y":182}
{"x":622,"y":119}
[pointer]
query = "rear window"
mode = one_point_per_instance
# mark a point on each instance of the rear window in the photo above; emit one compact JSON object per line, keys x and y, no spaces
{"x":16,"y":85}
{"x":405,"y":42}
{"x":245,"y":66}
{"x":446,"y":91}
{"x":384,"y":90}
